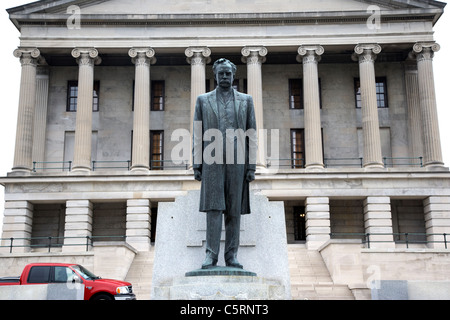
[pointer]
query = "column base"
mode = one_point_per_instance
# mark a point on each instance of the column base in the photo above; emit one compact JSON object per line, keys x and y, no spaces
{"x":22,"y":169}
{"x":435,"y":166}
{"x":81,"y":169}
{"x":315,"y":167}
{"x":140,"y":169}
{"x":374,"y":166}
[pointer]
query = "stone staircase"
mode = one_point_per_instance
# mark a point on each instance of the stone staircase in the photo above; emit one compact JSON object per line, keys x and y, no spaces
{"x":310,"y":279}
{"x":140,"y":274}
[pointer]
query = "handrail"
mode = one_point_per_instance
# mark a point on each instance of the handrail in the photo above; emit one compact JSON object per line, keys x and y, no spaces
{"x":94,"y":162}
{"x":86,"y":241}
{"x":110,"y":164}
{"x":407,"y":240}
{"x":347,"y":162}
{"x":62,"y":168}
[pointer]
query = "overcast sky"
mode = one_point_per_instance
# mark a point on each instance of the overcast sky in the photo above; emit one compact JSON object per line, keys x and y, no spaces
{"x":10,"y":81}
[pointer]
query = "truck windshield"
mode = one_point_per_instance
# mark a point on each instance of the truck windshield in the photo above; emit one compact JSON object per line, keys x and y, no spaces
{"x":85,"y":273}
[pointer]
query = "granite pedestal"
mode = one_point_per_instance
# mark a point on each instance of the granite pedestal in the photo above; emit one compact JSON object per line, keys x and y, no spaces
{"x":180,"y":251}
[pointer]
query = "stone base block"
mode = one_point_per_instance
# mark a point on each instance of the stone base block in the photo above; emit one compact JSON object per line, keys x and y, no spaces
{"x":220,"y":288}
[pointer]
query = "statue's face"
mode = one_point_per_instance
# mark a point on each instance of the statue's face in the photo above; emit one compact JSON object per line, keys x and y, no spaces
{"x":224,"y":76}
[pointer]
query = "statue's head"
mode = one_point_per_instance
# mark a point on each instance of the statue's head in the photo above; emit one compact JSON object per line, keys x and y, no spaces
{"x":224,"y":72}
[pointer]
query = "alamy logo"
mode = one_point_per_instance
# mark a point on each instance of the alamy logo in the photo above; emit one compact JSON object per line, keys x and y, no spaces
{"x":74,"y":20}
{"x":374,"y":21}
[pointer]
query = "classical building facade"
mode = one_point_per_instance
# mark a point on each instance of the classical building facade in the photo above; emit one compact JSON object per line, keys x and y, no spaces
{"x":345,"y":106}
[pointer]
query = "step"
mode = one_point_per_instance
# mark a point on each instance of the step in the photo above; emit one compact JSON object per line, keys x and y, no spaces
{"x":310,"y":278}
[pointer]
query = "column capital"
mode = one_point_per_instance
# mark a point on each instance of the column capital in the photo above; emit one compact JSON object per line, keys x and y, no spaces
{"x":425,"y":50}
{"x":86,"y":56}
{"x":309,"y":53}
{"x":366,"y":52}
{"x":29,"y":56}
{"x":252,"y":55}
{"x":198,"y":55}
{"x":142,"y":55}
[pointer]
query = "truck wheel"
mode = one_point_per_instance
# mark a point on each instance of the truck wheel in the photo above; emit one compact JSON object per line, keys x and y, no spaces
{"x":102,"y":297}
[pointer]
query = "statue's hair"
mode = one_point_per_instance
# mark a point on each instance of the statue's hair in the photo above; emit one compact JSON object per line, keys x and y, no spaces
{"x":223,"y":61}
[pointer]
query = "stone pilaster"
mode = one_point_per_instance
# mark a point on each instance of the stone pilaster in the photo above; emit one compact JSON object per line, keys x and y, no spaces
{"x":432,"y":143}
{"x":142,"y":59}
{"x":27,"y":100}
{"x":415,"y":130}
{"x":378,"y":222}
{"x":437,"y":221}
{"x":40,"y":117}
{"x":318,"y":228}
{"x":310,"y":57}
{"x":78,"y":225}
{"x":138,"y":224}
{"x":366,"y":55}
{"x":254,"y":57}
{"x":86,"y":59}
{"x":17,"y":223}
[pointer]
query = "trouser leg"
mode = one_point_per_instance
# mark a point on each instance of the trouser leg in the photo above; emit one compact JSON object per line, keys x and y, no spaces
{"x":213,"y":232}
{"x":232,"y":231}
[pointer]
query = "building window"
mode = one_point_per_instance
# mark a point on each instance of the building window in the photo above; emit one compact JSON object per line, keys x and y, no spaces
{"x":156,"y":150}
{"x":157,"y":96}
{"x":296,"y":94}
{"x":72,"y":96}
{"x":381,"y":91}
{"x":297,"y":148}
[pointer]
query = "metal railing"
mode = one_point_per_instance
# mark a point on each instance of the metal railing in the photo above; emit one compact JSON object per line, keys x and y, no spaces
{"x":52,"y":165}
{"x":108,"y":165}
{"x":96,"y":165}
{"x":408,"y":162}
{"x":343,"y":162}
{"x":389,"y":162}
{"x":406,"y":238}
{"x":53,"y":242}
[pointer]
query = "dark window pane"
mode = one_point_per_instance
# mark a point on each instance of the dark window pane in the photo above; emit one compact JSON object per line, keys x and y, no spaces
{"x":157,"y":93}
{"x":39,"y":274}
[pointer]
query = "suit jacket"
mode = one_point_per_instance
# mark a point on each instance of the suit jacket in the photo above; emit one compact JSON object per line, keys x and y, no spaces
{"x":206,"y":117}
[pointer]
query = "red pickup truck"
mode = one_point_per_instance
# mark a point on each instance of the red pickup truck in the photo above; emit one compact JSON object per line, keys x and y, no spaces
{"x":95,"y":288}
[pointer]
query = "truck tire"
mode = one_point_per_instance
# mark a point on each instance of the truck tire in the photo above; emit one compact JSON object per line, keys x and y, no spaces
{"x":102,"y":296}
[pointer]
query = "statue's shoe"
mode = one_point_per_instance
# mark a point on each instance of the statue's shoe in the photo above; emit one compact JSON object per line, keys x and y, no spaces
{"x":234,"y":263}
{"x":209,"y":263}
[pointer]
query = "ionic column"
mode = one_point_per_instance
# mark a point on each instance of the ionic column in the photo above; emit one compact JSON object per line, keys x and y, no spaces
{"x":40,"y":117}
{"x":310,"y":56}
{"x":142,"y":59}
{"x":366,"y":54}
{"x":415,"y":130}
{"x":138,"y":224}
{"x":197,"y":57}
{"x":27,"y":99}
{"x":255,"y":57}
{"x":431,"y":137}
{"x":86,"y":59}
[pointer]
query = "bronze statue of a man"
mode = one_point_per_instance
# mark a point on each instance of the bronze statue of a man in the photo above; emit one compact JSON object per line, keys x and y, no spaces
{"x":226,"y":175}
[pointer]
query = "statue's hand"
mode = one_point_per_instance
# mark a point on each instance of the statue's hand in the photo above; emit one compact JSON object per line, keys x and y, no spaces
{"x":250,"y":176}
{"x":197,"y":175}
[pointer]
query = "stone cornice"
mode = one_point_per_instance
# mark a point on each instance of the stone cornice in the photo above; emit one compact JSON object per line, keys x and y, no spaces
{"x":232,"y":19}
